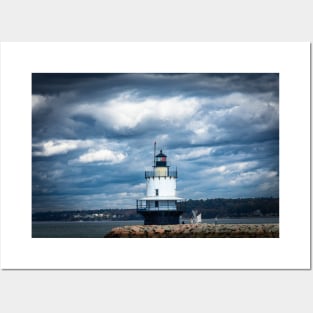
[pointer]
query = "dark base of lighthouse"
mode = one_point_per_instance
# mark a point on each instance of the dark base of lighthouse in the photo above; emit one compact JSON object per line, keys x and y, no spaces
{"x":161,"y":217}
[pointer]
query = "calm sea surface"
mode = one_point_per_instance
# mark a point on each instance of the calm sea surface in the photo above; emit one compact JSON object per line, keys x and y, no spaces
{"x":99,"y":229}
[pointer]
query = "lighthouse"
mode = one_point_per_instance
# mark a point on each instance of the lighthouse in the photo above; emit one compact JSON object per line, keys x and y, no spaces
{"x":160,"y":206}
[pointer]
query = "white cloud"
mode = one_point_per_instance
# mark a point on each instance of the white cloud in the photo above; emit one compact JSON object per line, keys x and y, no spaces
{"x":139,"y":187}
{"x":252,"y":109}
{"x":63,"y":146}
{"x":234,"y":111}
{"x":127,"y":112}
{"x":103,"y":155}
{"x":231,"y":168}
{"x":38,"y":102}
{"x":53,"y":147}
{"x":98,"y":150}
{"x":193,"y":154}
{"x":252,"y":177}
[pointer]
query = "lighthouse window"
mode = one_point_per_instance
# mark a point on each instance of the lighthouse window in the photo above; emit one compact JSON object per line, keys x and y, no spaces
{"x":161,"y":159}
{"x":156,"y":192}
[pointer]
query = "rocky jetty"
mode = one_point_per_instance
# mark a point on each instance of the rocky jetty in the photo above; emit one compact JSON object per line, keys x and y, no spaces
{"x":196,"y":231}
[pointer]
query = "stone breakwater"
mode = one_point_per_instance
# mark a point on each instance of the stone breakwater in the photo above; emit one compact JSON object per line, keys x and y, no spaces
{"x":196,"y":231}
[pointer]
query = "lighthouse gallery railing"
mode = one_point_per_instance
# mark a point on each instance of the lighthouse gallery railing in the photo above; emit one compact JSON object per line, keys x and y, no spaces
{"x":149,"y":174}
{"x":144,"y":205}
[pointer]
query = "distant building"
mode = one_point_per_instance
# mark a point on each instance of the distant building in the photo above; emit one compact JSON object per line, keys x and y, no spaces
{"x":160,"y":205}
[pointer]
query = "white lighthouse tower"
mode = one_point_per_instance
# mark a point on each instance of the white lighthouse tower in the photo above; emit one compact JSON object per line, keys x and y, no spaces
{"x":160,"y":205}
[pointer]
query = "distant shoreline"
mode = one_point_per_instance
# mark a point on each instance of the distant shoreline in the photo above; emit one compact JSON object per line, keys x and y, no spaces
{"x":185,"y":220}
{"x":209,"y":208}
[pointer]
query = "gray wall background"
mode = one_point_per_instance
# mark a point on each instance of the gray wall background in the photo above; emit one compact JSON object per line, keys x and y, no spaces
{"x":134,"y":291}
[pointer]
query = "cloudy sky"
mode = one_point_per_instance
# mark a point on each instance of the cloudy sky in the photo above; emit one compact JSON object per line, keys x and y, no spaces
{"x":93,"y":136}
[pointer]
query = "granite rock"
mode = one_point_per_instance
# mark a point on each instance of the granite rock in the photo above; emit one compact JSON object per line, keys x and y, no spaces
{"x":196,"y":231}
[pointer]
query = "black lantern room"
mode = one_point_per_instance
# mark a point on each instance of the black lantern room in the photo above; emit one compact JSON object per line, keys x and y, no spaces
{"x":160,"y":159}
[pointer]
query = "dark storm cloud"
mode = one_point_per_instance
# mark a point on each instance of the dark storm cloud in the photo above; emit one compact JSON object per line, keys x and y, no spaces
{"x":61,"y":93}
{"x":93,"y":136}
{"x":106,"y":85}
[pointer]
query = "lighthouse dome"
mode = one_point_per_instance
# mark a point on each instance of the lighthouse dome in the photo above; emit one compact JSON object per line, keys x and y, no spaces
{"x":161,"y":154}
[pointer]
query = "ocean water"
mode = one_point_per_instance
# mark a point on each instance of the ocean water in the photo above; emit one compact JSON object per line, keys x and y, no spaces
{"x":76,"y":229}
{"x":99,"y":229}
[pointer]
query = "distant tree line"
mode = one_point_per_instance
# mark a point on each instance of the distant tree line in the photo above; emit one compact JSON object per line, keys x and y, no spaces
{"x":246,"y":207}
